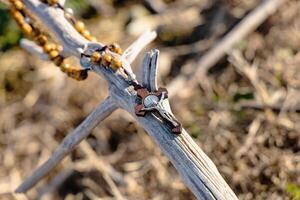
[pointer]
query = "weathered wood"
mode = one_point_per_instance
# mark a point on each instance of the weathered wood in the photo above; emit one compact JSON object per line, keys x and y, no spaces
{"x":135,"y":48}
{"x":197,"y":170}
{"x":70,"y":39}
{"x":149,"y":70}
{"x":33,"y":48}
{"x":70,"y":142}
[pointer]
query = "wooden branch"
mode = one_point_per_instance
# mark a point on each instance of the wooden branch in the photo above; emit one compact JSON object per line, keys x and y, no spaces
{"x":69,"y":38}
{"x":277,"y":107}
{"x":209,"y":59}
{"x":68,"y":144}
{"x":250,"y":71}
{"x":149,"y":70}
{"x":135,"y":48}
{"x":75,"y":137}
{"x":246,"y":26}
{"x":33,"y":48}
{"x":197,"y":170}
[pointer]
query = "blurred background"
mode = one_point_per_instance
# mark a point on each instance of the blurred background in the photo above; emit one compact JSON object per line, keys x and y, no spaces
{"x":255,"y":147}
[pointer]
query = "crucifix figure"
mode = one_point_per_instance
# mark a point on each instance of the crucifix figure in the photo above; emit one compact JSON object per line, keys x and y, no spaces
{"x":153,"y":101}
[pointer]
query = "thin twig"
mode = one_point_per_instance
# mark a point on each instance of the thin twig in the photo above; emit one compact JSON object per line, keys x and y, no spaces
{"x":135,"y":48}
{"x":250,"y":71}
{"x":253,"y":129}
{"x":50,"y":189}
{"x":209,"y":59}
{"x":260,"y":106}
{"x":69,"y":143}
{"x":101,"y":166}
{"x":246,"y":26}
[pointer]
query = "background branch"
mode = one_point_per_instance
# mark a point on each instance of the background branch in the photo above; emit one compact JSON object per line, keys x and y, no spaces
{"x":70,"y":142}
{"x":213,"y":56}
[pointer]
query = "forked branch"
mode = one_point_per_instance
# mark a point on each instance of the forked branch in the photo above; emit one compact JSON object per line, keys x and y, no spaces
{"x":197,"y":170}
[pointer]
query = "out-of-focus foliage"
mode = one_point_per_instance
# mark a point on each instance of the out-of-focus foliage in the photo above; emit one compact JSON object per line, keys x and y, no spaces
{"x":294,"y":191}
{"x":9,"y":32}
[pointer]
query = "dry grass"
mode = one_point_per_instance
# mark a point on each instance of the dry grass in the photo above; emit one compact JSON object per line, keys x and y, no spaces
{"x":256,"y":148}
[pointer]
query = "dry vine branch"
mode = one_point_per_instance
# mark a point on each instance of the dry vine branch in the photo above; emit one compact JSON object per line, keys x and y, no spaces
{"x":69,"y":143}
{"x":213,"y":56}
{"x":197,"y":170}
{"x":250,"y":71}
